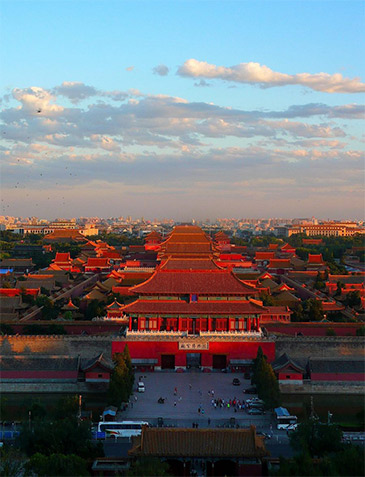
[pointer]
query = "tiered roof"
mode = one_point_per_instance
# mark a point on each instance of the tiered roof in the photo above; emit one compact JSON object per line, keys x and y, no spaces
{"x":202,"y":282}
{"x":188,"y":241}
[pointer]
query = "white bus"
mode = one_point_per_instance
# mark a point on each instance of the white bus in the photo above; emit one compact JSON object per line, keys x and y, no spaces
{"x":284,"y":420}
{"x":120,"y":429}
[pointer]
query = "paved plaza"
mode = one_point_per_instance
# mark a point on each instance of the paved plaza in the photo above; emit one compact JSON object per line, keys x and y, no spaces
{"x":193,"y":392}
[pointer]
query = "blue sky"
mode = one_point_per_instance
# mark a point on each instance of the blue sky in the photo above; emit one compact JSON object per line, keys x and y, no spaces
{"x":182,"y":108}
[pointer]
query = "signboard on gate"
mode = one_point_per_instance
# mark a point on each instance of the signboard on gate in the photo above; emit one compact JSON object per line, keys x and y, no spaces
{"x":192,"y":345}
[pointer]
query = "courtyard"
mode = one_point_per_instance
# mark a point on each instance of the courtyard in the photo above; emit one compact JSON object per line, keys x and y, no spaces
{"x":188,"y":399}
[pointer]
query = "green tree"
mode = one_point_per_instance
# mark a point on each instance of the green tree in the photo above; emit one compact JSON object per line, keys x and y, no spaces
{"x":313,"y":309}
{"x":94,"y":308}
{"x":331,"y":332}
{"x":148,"y":466}
{"x":265,"y":380}
{"x":127,"y":359}
{"x":316,"y":438}
{"x":68,"y":315}
{"x":353,"y":298}
{"x":12,"y":462}
{"x":119,"y":385}
{"x":56,"y":465}
{"x":360,"y":331}
{"x":66,"y":436}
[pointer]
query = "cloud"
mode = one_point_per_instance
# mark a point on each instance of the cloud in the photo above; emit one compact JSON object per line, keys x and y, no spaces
{"x":161,"y":70}
{"x":75,"y":91}
{"x":130,"y":68}
{"x":254,"y":73}
{"x":202,"y":83}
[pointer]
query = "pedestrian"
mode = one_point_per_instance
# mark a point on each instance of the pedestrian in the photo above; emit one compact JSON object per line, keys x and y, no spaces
{"x":175,"y":391}
{"x":212,"y":392}
{"x":198,"y":410}
{"x":208,"y":421}
{"x":190,"y":387}
{"x":175,"y":403}
{"x":136,"y":398}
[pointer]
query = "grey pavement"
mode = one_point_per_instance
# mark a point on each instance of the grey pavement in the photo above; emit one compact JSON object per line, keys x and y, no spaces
{"x":182,"y":409}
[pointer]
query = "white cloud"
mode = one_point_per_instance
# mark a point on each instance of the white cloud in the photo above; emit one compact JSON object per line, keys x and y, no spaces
{"x":254,"y":73}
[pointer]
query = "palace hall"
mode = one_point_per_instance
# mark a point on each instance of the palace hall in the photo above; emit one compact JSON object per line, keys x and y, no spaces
{"x":192,"y":313}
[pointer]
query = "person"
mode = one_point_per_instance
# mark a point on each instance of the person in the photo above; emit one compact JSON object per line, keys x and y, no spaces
{"x":175,"y":403}
{"x":190,"y":387}
{"x":208,"y":421}
{"x":175,"y":391}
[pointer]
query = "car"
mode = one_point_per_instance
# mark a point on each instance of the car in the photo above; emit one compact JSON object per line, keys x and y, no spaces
{"x":236,"y":382}
{"x":255,"y":411}
{"x":251,"y":390}
{"x":141,"y":388}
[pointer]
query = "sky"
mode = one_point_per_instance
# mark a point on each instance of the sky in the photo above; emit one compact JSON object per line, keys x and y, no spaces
{"x":182,"y":109}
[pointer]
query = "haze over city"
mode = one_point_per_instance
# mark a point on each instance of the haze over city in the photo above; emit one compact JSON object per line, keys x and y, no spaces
{"x":182,"y":109}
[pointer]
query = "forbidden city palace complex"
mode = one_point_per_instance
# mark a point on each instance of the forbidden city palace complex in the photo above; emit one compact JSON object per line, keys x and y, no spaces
{"x":193,"y":313}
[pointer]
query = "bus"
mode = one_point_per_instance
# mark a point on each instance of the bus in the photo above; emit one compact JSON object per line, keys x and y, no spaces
{"x":284,"y":420}
{"x":120,"y":429}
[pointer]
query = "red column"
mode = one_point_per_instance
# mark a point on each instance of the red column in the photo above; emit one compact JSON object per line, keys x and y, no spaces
{"x":178,"y":324}
{"x":159,"y":323}
{"x":130,"y":323}
{"x":139,"y":324}
{"x":209,"y":324}
{"x":248,"y":324}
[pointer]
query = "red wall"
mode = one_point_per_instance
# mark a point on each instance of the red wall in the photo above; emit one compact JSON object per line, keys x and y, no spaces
{"x":39,"y":375}
{"x":337,"y":377}
{"x":96,"y":375}
{"x":234,"y":350}
{"x":293,"y":376}
{"x":313,"y":329}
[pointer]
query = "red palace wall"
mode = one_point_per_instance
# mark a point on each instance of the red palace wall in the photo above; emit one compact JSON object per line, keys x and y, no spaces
{"x":313,"y":329}
{"x":337,"y":377}
{"x":233,"y":350}
{"x":39,"y":375}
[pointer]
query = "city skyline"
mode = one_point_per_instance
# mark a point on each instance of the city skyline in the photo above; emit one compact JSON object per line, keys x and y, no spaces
{"x":184,"y":109}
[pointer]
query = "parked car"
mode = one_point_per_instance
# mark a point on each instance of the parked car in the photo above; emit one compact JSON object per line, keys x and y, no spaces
{"x":255,"y":411}
{"x":252,"y":390}
{"x":236,"y":382}
{"x":141,"y":388}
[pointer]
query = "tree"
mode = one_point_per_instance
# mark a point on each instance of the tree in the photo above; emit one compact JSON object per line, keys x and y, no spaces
{"x":66,"y":436}
{"x":94,"y":308}
{"x":127,"y":359}
{"x":353,"y":298}
{"x":316,"y":438}
{"x":313,"y":309}
{"x":56,"y":465}
{"x":360,"y":331}
{"x":148,"y":466}
{"x":68,"y":315}
{"x":265,"y":380}
{"x":119,"y":385}
{"x":12,"y":462}
{"x":331,"y":332}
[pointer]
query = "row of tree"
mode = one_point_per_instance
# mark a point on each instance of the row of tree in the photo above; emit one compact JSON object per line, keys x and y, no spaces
{"x":320,"y":451}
